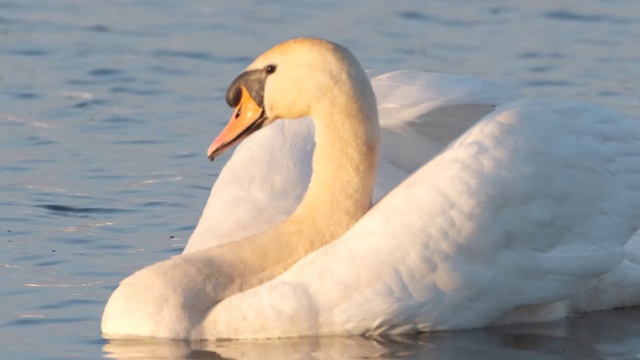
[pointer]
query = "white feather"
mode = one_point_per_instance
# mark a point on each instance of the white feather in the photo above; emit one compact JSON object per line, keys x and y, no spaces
{"x":531,"y":206}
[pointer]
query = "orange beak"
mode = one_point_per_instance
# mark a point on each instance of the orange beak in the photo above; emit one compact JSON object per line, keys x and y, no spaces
{"x":247,"y":118}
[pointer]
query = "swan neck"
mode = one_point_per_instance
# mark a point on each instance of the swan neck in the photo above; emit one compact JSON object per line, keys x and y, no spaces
{"x":344,"y":163}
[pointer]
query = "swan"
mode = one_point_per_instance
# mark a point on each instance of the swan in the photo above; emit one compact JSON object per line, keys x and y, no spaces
{"x":528,"y":208}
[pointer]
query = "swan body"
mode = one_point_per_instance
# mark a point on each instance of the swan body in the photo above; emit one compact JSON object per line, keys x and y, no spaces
{"x":521,"y":216}
{"x":515,"y":213}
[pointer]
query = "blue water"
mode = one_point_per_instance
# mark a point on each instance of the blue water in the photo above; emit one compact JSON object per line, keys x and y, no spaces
{"x":107,"y":108}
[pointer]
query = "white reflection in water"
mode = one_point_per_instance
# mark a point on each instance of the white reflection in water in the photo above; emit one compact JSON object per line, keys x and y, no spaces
{"x":596,"y":335}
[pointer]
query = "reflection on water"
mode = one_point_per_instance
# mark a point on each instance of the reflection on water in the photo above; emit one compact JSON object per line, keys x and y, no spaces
{"x":107,"y":107}
{"x":598,"y":335}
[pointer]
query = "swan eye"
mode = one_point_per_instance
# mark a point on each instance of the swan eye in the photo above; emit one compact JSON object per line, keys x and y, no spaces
{"x":270,"y":69}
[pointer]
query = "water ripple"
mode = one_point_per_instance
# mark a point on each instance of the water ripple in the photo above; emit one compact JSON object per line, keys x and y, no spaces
{"x":201,"y":55}
{"x":105,"y":72}
{"x":26,"y":95}
{"x":545,"y":83}
{"x":69,"y":303}
{"x":30,"y":321}
{"x":29,"y":52}
{"x":71,"y":210}
{"x":119,"y":119}
{"x":6,"y":21}
{"x":541,"y":55}
{"x":51,"y":263}
{"x":420,"y":16}
{"x":98,"y":28}
{"x":106,"y":80}
{"x":565,"y":15}
{"x":89,"y":103}
{"x":129,"y":90}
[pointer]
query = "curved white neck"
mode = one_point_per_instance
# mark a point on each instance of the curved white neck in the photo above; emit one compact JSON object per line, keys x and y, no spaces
{"x":339,"y":194}
{"x":344,"y":166}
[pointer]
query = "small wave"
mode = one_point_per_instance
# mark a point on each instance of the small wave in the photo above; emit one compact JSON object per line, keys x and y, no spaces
{"x":41,"y":320}
{"x":29,"y":52}
{"x":573,"y":16}
{"x":105,"y":72}
{"x":69,"y":210}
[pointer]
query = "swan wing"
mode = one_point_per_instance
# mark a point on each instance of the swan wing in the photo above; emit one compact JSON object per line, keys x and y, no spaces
{"x":619,"y":288}
{"x":260,"y":185}
{"x":421,"y":113}
{"x":265,"y":179}
{"x":532,"y":205}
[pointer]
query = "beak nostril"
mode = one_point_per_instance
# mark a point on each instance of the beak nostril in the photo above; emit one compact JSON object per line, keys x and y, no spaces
{"x":238,"y":112}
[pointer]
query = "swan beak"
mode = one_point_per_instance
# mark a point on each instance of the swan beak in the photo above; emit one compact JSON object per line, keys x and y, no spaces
{"x":247,"y":118}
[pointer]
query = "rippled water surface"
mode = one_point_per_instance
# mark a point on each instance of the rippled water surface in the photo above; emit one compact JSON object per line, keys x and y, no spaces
{"x":107,"y":107}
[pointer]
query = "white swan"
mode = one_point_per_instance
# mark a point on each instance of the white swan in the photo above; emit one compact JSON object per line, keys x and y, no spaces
{"x":529,"y":207}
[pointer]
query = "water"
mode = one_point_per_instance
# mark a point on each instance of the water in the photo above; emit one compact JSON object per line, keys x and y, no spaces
{"x":107,"y":107}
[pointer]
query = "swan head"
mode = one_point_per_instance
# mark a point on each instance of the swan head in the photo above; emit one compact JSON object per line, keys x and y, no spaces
{"x":289,"y":81}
